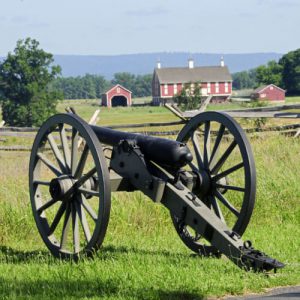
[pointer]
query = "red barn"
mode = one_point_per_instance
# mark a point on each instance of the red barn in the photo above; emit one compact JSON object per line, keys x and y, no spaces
{"x":269,"y":92}
{"x":117,"y":96}
{"x":167,"y":82}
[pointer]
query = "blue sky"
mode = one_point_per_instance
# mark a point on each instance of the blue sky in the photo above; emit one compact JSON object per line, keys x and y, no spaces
{"x":136,"y":26}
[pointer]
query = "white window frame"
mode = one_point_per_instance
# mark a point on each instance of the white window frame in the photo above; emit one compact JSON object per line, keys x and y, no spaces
{"x":166,"y":89}
{"x":175,"y":88}
{"x":217,"y":87}
{"x":226,"y":87}
{"x":208,"y":88}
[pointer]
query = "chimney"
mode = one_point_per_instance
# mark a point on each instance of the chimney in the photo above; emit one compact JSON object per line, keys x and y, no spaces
{"x":222,"y":61}
{"x":191,"y":63}
{"x":158,"y":64}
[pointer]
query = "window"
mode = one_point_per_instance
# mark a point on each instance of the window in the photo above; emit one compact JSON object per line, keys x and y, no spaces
{"x":208,"y":87}
{"x":226,"y":87}
{"x":166,"y":89}
{"x":118,"y":90}
{"x":271,"y":88}
{"x":175,"y":88}
{"x":217,"y":87}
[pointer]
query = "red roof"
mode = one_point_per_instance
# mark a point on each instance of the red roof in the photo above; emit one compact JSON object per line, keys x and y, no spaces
{"x":117,"y":85}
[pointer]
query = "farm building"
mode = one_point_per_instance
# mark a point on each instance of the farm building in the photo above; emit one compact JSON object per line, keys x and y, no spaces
{"x":269,"y":92}
{"x":116,"y":96}
{"x":214,"y":80}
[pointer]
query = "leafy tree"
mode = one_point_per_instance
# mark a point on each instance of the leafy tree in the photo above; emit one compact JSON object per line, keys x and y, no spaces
{"x":24,"y":76}
{"x":140,"y":85}
{"x":190,"y":97}
{"x":290,"y":64}
{"x":143,"y":86}
{"x":272,"y":73}
{"x":125,"y":79}
{"x":244,"y":80}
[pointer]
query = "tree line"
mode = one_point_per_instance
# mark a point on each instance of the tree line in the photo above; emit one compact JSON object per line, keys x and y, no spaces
{"x":92,"y":86}
{"x":285,"y":73}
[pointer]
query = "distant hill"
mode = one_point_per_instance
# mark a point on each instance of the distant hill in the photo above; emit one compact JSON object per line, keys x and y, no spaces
{"x":75,"y":65}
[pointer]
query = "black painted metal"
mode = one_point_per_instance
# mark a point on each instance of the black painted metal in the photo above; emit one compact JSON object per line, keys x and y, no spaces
{"x":167,"y":153}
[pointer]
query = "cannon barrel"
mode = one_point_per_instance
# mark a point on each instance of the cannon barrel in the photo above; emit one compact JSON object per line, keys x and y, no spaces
{"x":164,"y":152}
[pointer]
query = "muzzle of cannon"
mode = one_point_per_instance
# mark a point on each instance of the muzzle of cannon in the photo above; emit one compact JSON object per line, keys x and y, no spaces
{"x":206,"y":178}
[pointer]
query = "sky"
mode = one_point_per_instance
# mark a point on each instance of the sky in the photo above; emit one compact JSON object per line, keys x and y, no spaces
{"x":96,"y":27}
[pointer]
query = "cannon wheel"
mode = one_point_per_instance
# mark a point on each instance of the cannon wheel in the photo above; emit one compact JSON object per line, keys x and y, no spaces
{"x":224,"y":160}
{"x":69,"y":187}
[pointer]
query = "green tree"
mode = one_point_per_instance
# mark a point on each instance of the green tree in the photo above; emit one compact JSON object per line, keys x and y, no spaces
{"x":269,"y":74}
{"x":190,"y":97}
{"x":24,"y":77}
{"x":244,"y":80}
{"x":125,"y":79}
{"x":290,"y":64}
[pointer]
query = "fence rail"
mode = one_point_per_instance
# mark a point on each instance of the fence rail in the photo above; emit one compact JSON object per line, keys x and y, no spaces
{"x":268,"y":112}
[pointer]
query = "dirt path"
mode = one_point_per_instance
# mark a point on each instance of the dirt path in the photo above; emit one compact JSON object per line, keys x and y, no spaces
{"x":292,"y":293}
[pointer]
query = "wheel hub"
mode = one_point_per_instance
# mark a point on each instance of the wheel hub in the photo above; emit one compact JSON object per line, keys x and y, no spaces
{"x":204,"y":183}
{"x":60,"y":188}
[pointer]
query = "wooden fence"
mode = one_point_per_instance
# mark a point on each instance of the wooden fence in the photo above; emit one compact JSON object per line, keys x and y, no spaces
{"x":265,"y":112}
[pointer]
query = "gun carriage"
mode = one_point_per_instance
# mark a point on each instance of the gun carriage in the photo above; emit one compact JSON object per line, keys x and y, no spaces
{"x":206,"y":178}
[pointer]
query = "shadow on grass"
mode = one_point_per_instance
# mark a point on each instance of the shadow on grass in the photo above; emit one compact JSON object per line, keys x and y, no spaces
{"x":11,"y":255}
{"x":78,"y":289}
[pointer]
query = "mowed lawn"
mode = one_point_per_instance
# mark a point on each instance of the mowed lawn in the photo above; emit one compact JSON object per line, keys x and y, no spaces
{"x":142,"y":257}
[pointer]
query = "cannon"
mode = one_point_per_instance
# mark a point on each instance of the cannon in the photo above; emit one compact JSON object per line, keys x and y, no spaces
{"x":206,"y":179}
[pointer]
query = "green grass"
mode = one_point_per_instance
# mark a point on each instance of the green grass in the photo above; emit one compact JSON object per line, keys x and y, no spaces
{"x":142,"y":257}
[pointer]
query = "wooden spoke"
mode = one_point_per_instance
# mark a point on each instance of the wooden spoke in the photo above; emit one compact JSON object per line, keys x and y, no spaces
{"x":193,"y":167}
{"x":85,"y":177}
{"x":226,"y":203}
{"x":66,"y":228}
{"x":216,"y":148}
{"x":88,"y":191}
{"x":49,"y":164}
{"x":221,"y":161}
{"x":74,"y":157}
{"x":75,"y":226}
{"x":206,"y":152}
{"x":196,"y":145}
{"x":82,"y":162}
{"x":88,"y":208}
{"x":57,"y":218}
{"x":216,"y":208}
{"x":230,"y":187}
{"x":46,"y":205}
{"x":83,"y":221}
{"x":57,"y":154}
{"x":65,"y":146}
{"x":227,"y":172}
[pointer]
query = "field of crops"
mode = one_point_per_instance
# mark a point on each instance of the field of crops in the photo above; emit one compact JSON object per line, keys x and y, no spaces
{"x":142,"y":257}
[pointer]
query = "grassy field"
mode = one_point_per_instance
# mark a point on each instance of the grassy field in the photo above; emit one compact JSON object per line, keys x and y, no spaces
{"x":142,"y":257}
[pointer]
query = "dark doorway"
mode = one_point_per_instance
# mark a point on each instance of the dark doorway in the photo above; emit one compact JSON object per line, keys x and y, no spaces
{"x":119,"y":101}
